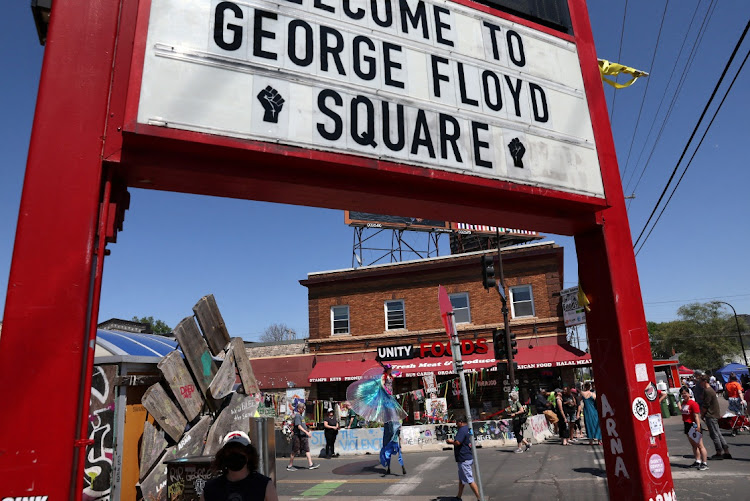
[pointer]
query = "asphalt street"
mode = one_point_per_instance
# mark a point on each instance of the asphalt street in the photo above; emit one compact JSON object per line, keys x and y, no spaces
{"x":548,"y":471}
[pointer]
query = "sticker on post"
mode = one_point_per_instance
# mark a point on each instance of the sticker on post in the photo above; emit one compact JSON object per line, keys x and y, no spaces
{"x":651,"y":392}
{"x":656,"y":424}
{"x":641,"y":373}
{"x":656,"y":465}
{"x":640,"y":409}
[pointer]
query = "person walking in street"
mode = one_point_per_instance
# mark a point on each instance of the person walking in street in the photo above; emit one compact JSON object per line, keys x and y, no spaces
{"x":735,"y":395}
{"x":590,"y":414}
{"x":544,"y":406}
{"x":696,"y":386}
{"x":517,"y":412}
{"x":710,"y":413}
{"x":691,"y":420}
{"x":571,"y":410}
{"x":301,"y":440}
{"x":238,"y":460}
{"x":562,"y":425}
{"x":351,"y":420}
{"x":462,"y":452}
{"x":330,"y":429}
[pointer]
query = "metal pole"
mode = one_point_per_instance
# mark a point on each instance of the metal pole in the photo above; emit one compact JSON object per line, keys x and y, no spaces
{"x":739,"y":334}
{"x":459,"y":365}
{"x":506,"y":323}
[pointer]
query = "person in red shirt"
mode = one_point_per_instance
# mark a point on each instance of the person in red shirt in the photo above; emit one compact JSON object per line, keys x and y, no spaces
{"x":691,"y":419}
{"x":735,"y":395}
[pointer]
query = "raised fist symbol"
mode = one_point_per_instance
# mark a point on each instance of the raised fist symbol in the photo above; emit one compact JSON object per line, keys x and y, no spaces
{"x":272,"y":103}
{"x":517,"y":150}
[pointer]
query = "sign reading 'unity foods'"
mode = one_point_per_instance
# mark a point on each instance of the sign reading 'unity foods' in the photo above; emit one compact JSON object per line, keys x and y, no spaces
{"x":422,"y":82}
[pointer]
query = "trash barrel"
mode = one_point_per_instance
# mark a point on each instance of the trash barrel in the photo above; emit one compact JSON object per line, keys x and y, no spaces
{"x":263,"y":437}
{"x":674,"y":409}
{"x":186,"y":477}
{"x":665,"y":408}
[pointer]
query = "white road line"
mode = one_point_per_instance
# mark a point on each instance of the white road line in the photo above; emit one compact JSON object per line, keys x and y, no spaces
{"x":412,"y":480}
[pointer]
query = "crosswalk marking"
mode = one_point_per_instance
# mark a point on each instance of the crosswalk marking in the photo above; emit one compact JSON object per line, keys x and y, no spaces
{"x":410,"y":482}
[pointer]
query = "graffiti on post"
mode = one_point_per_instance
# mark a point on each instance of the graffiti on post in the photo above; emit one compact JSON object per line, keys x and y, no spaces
{"x":97,"y":473}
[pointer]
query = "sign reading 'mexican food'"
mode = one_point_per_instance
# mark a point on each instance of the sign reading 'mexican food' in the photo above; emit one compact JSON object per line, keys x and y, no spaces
{"x":422,"y":82}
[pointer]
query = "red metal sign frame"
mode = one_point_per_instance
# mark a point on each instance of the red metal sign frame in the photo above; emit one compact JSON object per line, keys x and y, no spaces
{"x":85,"y":132}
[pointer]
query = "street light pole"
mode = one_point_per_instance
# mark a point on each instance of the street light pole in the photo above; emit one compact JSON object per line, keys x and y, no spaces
{"x":742,"y":344}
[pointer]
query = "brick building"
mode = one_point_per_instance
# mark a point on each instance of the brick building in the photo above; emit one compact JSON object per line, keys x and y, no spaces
{"x":394,"y":307}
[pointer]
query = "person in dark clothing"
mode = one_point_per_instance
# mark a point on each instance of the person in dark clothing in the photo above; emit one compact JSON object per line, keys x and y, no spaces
{"x":570,"y":409}
{"x":331,"y":429}
{"x":240,"y":480}
{"x":710,"y":413}
{"x":562,"y":425}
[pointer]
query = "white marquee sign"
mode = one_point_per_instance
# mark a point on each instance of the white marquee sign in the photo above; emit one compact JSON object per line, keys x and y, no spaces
{"x":422,"y":82}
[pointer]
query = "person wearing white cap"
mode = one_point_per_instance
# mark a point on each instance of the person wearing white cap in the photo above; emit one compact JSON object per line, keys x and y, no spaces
{"x":237,"y":460}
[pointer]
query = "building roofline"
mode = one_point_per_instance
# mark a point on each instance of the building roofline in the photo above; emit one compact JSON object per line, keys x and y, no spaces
{"x":517,"y":247}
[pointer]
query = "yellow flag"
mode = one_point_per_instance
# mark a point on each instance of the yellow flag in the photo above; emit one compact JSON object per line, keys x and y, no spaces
{"x":614,"y":69}
{"x":582,"y":299}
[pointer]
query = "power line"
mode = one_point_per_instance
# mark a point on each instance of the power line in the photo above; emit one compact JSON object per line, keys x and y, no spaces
{"x":695,"y":129}
{"x":695,"y":151}
{"x":696,"y":299}
{"x":661,"y":101}
{"x":619,"y":59}
{"x":691,"y":58}
{"x":648,"y":82}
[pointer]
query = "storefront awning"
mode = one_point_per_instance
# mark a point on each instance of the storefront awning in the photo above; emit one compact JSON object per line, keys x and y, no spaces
{"x":554,"y":355}
{"x":442,"y":366}
{"x":282,"y":372}
{"x":332,"y":370}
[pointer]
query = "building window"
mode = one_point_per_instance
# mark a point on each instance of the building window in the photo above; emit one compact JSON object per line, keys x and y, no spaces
{"x":394,"y":315}
{"x":339,"y":320}
{"x":521,"y":301}
{"x":460,"y":303}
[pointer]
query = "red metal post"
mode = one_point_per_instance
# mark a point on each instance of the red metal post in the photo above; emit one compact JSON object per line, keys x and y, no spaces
{"x":637,"y":462}
{"x":50,"y":291}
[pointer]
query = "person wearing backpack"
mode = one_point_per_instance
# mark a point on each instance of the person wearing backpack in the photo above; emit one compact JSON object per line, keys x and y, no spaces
{"x":518,"y":413}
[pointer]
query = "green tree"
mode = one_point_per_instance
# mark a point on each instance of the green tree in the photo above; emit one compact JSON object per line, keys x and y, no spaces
{"x":157,"y":326}
{"x":704,"y":336}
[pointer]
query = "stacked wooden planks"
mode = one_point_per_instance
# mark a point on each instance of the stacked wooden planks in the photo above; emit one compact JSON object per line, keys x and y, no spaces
{"x":198,"y":401}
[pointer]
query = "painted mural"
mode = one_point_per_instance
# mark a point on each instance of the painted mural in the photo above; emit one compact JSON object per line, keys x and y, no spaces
{"x":97,"y":473}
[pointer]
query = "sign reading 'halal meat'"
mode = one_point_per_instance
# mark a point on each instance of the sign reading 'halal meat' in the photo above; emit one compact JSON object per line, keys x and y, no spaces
{"x":423,"y":82}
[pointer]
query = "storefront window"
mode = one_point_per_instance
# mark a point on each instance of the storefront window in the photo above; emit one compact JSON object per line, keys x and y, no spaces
{"x":394,"y":315}
{"x":340,"y":319}
{"x":522,"y":301}
{"x":460,"y":303}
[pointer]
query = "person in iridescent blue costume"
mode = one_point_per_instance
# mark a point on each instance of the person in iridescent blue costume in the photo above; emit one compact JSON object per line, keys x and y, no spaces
{"x":372,"y":398}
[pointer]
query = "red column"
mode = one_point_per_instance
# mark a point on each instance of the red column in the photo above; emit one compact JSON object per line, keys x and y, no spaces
{"x":637,"y":463}
{"x":42,"y":348}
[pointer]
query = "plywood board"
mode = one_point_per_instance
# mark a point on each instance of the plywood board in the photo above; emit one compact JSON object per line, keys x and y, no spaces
{"x":235,"y":416}
{"x":183,"y":387}
{"x":165,"y":412}
{"x":224,"y":380}
{"x":152,"y":447}
{"x":192,"y":441}
{"x":212,"y":324}
{"x":197,"y":356}
{"x":244,"y":367}
{"x":154,"y":486}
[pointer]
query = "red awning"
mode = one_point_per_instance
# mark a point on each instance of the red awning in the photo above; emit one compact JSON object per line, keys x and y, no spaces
{"x":685,"y":371}
{"x":442,"y":365}
{"x":553,"y":355}
{"x":344,"y":370}
{"x":275,"y":373}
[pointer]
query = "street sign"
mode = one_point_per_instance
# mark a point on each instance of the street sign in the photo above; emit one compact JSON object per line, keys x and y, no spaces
{"x":446,"y":310}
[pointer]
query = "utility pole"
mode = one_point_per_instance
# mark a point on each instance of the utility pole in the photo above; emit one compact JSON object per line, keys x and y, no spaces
{"x":739,"y":334}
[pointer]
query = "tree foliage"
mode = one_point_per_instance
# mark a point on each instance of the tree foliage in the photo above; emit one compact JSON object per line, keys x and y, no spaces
{"x":278,"y":332}
{"x":704,"y":336}
{"x":157,"y":326}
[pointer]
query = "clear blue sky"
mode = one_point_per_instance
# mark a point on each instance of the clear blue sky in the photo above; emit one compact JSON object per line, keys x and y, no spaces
{"x":177,"y":248}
